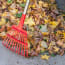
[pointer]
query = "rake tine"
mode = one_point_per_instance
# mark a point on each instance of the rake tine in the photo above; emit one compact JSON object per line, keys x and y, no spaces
{"x":19,"y":50}
{"x":10,"y":43}
{"x":6,"y":43}
{"x":24,"y":46}
{"x":20,"y":37}
{"x":17,"y":36}
{"x":13,"y":47}
{"x":3,"y":42}
{"x":24,"y":50}
{"x":27,"y":51}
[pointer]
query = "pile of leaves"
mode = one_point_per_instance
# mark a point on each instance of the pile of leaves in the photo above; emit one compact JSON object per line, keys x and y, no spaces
{"x":44,"y":24}
{"x":45,"y":27}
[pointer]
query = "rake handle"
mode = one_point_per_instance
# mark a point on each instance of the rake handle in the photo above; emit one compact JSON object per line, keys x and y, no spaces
{"x":22,"y":21}
{"x":24,"y":15}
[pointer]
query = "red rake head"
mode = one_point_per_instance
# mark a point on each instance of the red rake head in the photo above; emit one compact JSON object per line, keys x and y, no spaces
{"x":16,"y":41}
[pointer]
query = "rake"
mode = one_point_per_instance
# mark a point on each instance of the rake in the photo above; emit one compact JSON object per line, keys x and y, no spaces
{"x":16,"y":39}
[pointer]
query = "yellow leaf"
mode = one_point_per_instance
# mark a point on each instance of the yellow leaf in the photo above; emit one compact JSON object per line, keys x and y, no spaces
{"x":30,"y":22}
{"x":46,"y":21}
{"x":64,"y":34}
{"x":30,"y":6}
{"x":40,"y":3}
{"x":2,"y":22}
{"x":56,"y":49}
{"x":45,"y":4}
{"x":54,"y":23}
{"x":50,"y":45}
{"x":12,"y":17}
{"x":24,"y":0}
{"x":43,"y":50}
{"x":3,"y":6}
{"x":44,"y":14}
{"x":45,"y":57}
{"x":33,"y":6}
{"x":45,"y":33}
{"x":14,"y":11}
{"x":4,"y":14}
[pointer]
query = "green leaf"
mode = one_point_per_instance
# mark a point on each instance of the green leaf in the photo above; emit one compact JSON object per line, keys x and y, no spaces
{"x":9,"y":1}
{"x":0,"y":27}
{"x":19,"y":15}
{"x":22,"y":5}
{"x":7,"y":20}
{"x":40,"y":27}
{"x":42,"y":51}
{"x":55,"y":32}
{"x":63,"y":12}
{"x":64,"y":18}
{"x":53,"y":55}
{"x":45,"y":40}
{"x":43,"y":28}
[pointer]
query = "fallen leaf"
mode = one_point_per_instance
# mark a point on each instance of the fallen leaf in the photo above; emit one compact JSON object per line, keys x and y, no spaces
{"x":30,"y":22}
{"x":45,"y":57}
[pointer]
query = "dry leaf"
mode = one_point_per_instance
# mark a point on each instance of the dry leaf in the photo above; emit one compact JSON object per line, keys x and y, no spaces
{"x":45,"y":57}
{"x":30,"y":22}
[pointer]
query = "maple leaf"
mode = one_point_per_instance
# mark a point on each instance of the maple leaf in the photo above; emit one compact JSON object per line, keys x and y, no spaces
{"x":45,"y":57}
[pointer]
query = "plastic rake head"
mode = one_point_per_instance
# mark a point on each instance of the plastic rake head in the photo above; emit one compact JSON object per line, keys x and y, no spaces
{"x":17,"y":42}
